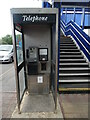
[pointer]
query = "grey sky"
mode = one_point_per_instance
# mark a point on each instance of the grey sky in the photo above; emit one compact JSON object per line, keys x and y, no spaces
{"x":5,"y":16}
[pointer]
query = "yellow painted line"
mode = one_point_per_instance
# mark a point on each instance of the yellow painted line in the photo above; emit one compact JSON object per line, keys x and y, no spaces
{"x":74,"y":89}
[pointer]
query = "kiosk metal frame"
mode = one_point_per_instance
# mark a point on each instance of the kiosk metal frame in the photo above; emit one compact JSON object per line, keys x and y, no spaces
{"x":22,"y":16}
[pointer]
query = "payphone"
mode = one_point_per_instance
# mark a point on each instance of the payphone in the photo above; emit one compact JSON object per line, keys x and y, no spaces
{"x":32,"y":60}
{"x":37,"y":59}
{"x":43,"y":54}
{"x":43,"y":57}
{"x":34,"y":57}
{"x":32,"y":54}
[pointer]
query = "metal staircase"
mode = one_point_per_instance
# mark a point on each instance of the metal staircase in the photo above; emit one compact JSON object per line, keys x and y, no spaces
{"x":73,"y":68}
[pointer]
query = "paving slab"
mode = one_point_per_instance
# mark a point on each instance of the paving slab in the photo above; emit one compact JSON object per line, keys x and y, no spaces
{"x":38,"y":106}
{"x":8,"y":103}
{"x":75,"y":105}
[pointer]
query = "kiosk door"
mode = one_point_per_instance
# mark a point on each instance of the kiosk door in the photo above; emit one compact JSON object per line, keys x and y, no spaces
{"x":20,"y":63}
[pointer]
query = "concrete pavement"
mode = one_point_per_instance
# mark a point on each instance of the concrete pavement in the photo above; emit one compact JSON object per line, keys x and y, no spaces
{"x":8,"y":104}
{"x":38,"y":106}
{"x":7,"y":90}
{"x":75,"y":105}
{"x":72,"y":105}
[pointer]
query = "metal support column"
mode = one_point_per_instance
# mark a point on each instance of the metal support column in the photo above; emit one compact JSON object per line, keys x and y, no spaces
{"x":83,"y":18}
{"x":61,"y":13}
{"x":74,"y":15}
{"x":65,"y":15}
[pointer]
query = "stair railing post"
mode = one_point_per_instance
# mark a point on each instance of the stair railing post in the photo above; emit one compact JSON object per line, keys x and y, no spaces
{"x":65,"y":15}
{"x":74,"y":15}
{"x":83,"y":18}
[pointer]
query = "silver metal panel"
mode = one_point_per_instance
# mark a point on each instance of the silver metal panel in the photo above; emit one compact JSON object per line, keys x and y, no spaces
{"x":56,"y":61}
{"x":34,"y":10}
{"x":34,"y":87}
{"x":40,"y":37}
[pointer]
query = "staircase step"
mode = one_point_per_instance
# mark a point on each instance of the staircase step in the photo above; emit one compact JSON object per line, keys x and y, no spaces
{"x":61,"y":39}
{"x":65,"y":38}
{"x":73,"y":81}
{"x":70,"y":43}
{"x":71,"y":56}
{"x":74,"y":71}
{"x":73,"y":65}
{"x":74,"y":77}
{"x":66,"y":41}
{"x":73,"y":74}
{"x":69,"y":50}
{"x":74,"y":87}
{"x":72,"y":60}
{"x":70,"y":53}
{"x":68,"y":47}
{"x":67,"y":44}
{"x":74,"y":68}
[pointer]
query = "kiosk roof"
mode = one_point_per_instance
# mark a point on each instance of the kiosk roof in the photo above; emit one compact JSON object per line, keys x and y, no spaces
{"x":34,"y":10}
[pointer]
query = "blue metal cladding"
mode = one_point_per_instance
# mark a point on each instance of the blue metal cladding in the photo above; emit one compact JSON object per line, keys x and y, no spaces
{"x":70,"y":17}
{"x":77,"y":15}
{"x":46,"y":5}
{"x":87,"y":9}
{"x":43,"y":4}
{"x":63,"y":17}
{"x":78,"y":9}
{"x":70,"y":9}
{"x":78,"y":18}
{"x":87,"y":20}
{"x":87,"y":17}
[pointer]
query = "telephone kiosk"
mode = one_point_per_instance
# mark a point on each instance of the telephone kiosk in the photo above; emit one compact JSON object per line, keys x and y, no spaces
{"x":37,"y":70}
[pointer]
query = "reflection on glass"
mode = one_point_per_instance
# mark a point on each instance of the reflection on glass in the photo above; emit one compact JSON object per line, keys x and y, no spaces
{"x":21,"y":82}
{"x":19,"y":46}
{"x":78,"y":17}
{"x":87,"y":18}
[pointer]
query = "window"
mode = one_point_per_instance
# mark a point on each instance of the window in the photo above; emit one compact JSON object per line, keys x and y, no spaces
{"x":19,"y":47}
